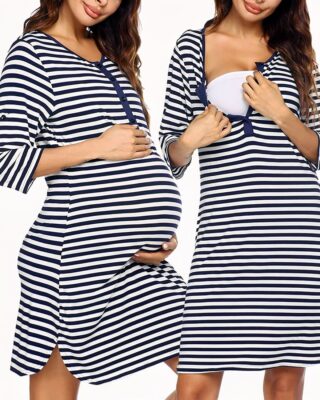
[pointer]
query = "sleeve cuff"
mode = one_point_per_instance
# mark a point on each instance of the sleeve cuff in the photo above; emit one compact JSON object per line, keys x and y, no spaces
{"x":315,"y":166}
{"x":19,"y":169}
{"x":177,"y":172}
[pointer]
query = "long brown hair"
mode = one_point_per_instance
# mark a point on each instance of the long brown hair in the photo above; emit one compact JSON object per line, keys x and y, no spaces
{"x":287,"y":30}
{"x":116,"y":37}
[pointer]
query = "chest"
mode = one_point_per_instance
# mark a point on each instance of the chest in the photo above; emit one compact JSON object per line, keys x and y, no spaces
{"x":89,"y":98}
{"x":275,"y":69}
{"x":226,"y":63}
{"x":93,"y":89}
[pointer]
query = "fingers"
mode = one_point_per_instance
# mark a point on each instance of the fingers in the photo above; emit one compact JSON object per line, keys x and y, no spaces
{"x":152,"y":258}
{"x":250,"y":80}
{"x":223,"y":123}
{"x":224,"y":127}
{"x":139,"y":133}
{"x":214,"y":112}
{"x":143,"y":153}
{"x":171,"y":244}
{"x":127,"y":126}
{"x":219,"y":116}
{"x":248,"y":99}
{"x":141,"y":147}
{"x":142,"y":144}
{"x":203,"y":114}
{"x":135,"y":130}
{"x":260,"y":78}
{"x":248,"y":89}
{"x":212,"y":109}
{"x":141,"y":140}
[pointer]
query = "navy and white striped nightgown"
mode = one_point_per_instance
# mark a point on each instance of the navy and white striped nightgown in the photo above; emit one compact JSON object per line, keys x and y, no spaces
{"x":253,"y":296}
{"x":80,"y":288}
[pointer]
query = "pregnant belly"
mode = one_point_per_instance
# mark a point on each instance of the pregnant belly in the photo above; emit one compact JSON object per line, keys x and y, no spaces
{"x":123,"y":206}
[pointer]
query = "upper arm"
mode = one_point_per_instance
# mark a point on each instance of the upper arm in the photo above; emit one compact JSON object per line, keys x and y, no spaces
{"x":314,"y":121}
{"x":177,"y":113}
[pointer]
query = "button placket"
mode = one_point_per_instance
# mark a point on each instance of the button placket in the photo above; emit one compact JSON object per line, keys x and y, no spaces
{"x":123,"y":98}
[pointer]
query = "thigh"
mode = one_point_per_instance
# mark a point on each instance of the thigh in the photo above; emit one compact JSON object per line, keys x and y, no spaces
{"x":204,"y":386}
{"x":54,"y":381}
{"x":285,"y":382}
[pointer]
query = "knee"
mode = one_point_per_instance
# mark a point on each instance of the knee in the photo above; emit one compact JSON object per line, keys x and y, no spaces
{"x":285,"y":388}
{"x":199,"y":386}
{"x":194,"y":390}
{"x":280,"y":387}
{"x":189,"y":391}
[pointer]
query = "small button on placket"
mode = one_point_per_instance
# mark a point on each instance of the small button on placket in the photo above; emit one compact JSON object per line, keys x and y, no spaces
{"x":123,"y":98}
{"x":3,"y":117}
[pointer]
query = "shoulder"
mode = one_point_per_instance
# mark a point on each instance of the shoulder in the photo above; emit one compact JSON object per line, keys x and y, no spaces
{"x":190,"y":41}
{"x":25,"y":45}
{"x":24,"y":59}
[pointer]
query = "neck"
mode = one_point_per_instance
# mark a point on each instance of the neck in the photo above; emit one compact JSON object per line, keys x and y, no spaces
{"x":67,"y":26}
{"x":236,"y":26}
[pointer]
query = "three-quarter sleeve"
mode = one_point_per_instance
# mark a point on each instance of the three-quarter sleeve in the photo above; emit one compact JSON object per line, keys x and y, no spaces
{"x":26,"y":101}
{"x":314,"y":120}
{"x":177,"y":113}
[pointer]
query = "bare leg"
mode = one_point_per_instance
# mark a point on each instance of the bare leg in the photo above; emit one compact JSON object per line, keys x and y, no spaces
{"x":54,"y":381}
{"x":204,"y":386}
{"x":172,"y":363}
{"x":283,"y":383}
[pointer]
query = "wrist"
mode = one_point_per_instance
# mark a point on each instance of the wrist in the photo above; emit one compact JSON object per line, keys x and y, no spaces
{"x":283,"y":116}
{"x":93,"y":148}
{"x":185,"y":145}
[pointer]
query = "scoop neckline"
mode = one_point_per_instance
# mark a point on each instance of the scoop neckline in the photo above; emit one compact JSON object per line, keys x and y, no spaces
{"x":69,"y":50}
{"x":259,"y":64}
{"x":202,"y":87}
{"x":238,"y":72}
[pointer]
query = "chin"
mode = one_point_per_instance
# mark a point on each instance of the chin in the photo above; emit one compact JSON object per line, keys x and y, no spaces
{"x":247,"y":15}
{"x":84,"y":19}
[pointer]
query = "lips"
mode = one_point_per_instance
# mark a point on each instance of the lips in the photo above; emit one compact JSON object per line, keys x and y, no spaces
{"x":253,"y":8}
{"x":91,"y":11}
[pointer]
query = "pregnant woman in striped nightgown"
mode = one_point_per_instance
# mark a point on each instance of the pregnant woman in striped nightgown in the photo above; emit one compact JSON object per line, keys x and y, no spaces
{"x":253,"y":296}
{"x":94,"y":279}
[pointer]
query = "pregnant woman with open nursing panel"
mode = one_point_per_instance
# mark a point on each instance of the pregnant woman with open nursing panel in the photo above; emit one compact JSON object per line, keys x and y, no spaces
{"x":249,"y":77}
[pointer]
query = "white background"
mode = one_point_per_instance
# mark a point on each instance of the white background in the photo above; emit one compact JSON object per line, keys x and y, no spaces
{"x":162,"y":22}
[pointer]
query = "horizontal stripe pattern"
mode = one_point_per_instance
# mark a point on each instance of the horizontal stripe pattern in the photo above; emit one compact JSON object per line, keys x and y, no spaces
{"x":253,"y":295}
{"x":80,"y":288}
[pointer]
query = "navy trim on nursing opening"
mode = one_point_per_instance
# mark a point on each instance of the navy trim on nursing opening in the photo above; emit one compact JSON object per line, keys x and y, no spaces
{"x":201,"y":89}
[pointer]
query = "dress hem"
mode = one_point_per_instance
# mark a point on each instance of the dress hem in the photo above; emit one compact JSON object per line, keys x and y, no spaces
{"x":244,"y":369}
{"x":121,"y":375}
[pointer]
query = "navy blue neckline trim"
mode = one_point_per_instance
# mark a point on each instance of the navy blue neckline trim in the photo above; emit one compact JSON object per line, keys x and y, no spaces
{"x":69,"y":50}
{"x":99,"y":64}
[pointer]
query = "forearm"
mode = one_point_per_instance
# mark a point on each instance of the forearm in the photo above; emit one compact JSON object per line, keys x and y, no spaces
{"x":304,"y":138}
{"x":180,"y":152}
{"x":55,"y":159}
